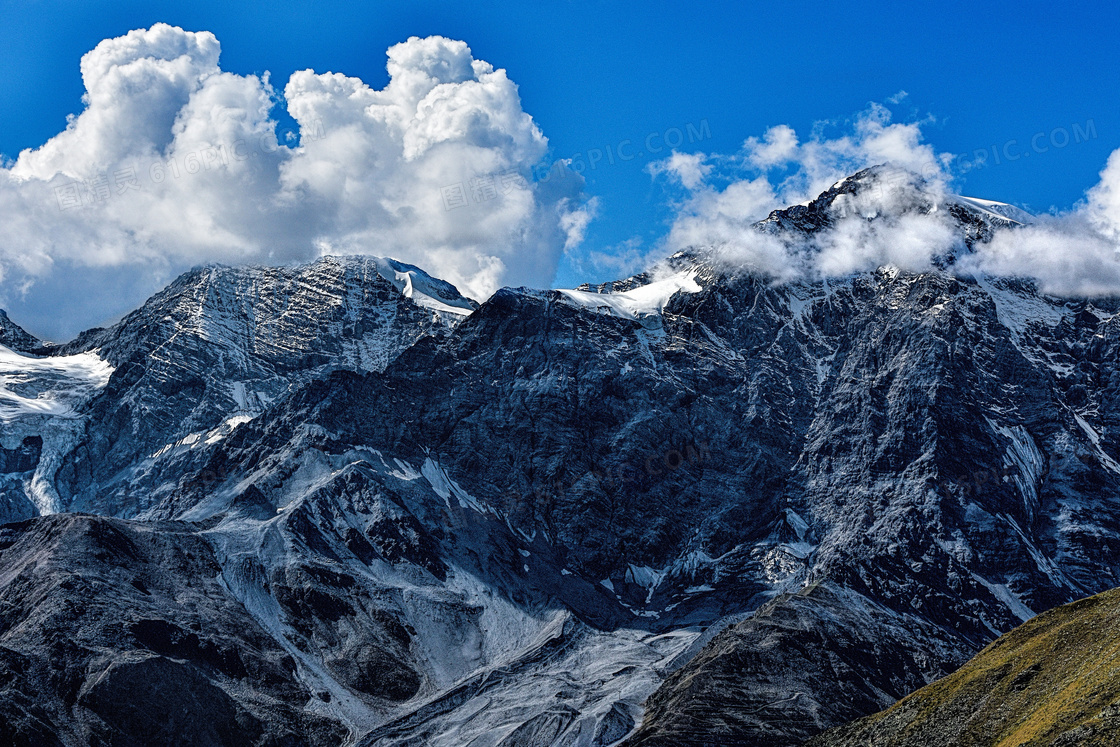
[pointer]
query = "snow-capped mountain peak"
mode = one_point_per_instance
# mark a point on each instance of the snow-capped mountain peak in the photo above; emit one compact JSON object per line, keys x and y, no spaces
{"x":422,"y":288}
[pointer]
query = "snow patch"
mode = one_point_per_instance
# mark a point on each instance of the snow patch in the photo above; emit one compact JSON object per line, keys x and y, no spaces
{"x":638,"y":304}
{"x":1021,"y":311}
{"x":1095,"y":438}
{"x":999,"y":213}
{"x":644,"y":576}
{"x":1008,"y":597}
{"x":796,"y":523}
{"x":203,"y":438}
{"x":404,"y":471}
{"x":445,"y":487}
{"x":56,"y":386}
{"x":701,"y":589}
{"x":1023,"y":454}
{"x":423,"y":289}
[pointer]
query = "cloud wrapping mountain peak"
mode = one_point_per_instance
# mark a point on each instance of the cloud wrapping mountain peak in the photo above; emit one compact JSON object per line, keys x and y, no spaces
{"x":722,"y":197}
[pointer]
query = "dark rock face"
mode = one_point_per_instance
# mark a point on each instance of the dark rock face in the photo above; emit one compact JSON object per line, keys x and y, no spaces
{"x":374,"y":658}
{"x":15,"y":337}
{"x":154,"y":700}
{"x":937,"y":478}
{"x":773,"y":507}
{"x":125,"y":635}
{"x":23,"y":458}
{"x":800,"y":664}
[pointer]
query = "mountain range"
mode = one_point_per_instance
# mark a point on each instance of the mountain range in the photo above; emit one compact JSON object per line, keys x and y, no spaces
{"x":342,"y":503}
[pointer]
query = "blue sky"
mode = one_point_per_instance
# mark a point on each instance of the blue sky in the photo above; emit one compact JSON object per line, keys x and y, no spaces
{"x":593,"y":74}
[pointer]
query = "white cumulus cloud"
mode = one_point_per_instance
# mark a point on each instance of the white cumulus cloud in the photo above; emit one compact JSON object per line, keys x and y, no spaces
{"x":173,"y":162}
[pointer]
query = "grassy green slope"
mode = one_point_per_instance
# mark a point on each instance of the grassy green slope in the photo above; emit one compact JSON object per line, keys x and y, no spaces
{"x":1054,"y":680}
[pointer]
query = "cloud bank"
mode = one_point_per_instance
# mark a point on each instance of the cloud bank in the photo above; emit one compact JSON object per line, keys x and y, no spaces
{"x":721,"y":198}
{"x":174,"y":162}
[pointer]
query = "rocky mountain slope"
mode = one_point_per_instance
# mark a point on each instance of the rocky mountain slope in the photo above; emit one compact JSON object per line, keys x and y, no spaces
{"x":122,"y":633}
{"x":695,"y":506}
{"x":210,"y":352}
{"x":14,"y":337}
{"x":1051,"y":681}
